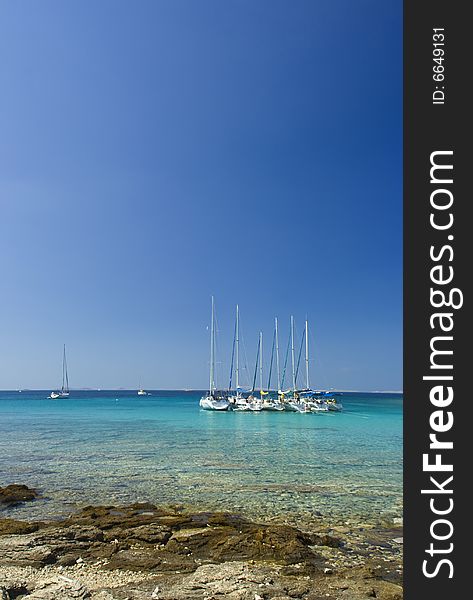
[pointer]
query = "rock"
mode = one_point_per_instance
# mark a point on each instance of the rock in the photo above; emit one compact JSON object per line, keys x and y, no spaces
{"x":62,"y":588}
{"x":11,"y":526}
{"x":25,"y":550}
{"x":398,"y":540}
{"x":233,"y":580}
{"x":12,"y":588}
{"x":326,"y":540}
{"x":15,"y":494}
{"x":123,"y":552}
{"x":151,"y":534}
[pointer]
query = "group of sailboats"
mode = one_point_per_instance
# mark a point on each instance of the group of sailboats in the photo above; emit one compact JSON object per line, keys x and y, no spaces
{"x":294,"y":399}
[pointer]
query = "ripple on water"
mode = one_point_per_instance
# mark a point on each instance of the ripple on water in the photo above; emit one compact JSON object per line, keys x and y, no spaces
{"x":91,"y":450}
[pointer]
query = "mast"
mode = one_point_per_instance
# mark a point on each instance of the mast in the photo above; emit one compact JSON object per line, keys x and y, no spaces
{"x":212,"y":351}
{"x":65,"y":378}
{"x":307,"y":354}
{"x":256,"y":366}
{"x":261,"y":362}
{"x":237,"y":342}
{"x":292,"y":355}
{"x":273,"y":345}
{"x":277,"y":351}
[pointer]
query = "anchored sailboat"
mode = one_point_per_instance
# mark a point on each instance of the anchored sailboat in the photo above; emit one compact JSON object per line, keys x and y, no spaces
{"x":212,"y":401}
{"x":268,"y":402}
{"x":237,"y":400}
{"x":64,"y":393}
{"x":255,"y":404}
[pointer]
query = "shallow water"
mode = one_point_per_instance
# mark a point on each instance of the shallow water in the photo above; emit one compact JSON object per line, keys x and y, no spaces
{"x":116,"y":447}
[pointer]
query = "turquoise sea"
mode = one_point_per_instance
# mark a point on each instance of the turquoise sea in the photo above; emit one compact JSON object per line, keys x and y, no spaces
{"x":116,"y":447}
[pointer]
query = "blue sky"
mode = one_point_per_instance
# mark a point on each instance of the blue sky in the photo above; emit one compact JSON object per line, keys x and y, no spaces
{"x":155,"y":153}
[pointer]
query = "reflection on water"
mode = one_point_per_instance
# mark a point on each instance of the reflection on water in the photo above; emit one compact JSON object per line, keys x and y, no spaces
{"x":115,"y":447}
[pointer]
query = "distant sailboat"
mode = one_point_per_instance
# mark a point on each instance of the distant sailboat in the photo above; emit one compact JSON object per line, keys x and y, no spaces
{"x":212,"y":401}
{"x":64,"y":393}
{"x":142,"y":392}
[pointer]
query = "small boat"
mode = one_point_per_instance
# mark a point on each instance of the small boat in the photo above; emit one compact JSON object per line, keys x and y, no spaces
{"x":213,"y":401}
{"x":142,"y":392}
{"x":64,"y":392}
{"x":333,"y":405}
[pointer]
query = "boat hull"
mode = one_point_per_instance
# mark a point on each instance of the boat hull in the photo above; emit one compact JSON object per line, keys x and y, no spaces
{"x":55,"y":395}
{"x":209,"y":403}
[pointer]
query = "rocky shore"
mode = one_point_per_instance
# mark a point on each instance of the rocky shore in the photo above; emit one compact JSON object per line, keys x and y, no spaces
{"x":147,"y":552}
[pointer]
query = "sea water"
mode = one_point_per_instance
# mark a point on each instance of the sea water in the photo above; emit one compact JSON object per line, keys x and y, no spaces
{"x":114,"y":447}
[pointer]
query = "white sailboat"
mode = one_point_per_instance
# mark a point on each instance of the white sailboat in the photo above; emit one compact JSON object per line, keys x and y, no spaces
{"x":64,"y":392}
{"x":256,"y":404}
{"x":212,"y":401}
{"x":270,"y":403}
{"x":237,"y":400}
{"x":316,"y":405}
{"x":294,"y":404}
{"x":319,"y":401}
{"x":252,"y":403}
{"x":142,"y":392}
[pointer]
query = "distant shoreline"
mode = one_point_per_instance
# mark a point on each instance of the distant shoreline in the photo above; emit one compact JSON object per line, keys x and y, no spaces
{"x":196,"y":390}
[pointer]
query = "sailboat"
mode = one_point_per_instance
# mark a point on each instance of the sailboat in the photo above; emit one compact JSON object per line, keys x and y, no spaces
{"x":237,"y":400}
{"x":256,"y":404}
{"x":295,"y":404}
{"x":268,"y":402}
{"x":64,"y":393}
{"x":212,"y":401}
{"x":142,"y":392}
{"x":319,"y":401}
{"x":316,"y":405}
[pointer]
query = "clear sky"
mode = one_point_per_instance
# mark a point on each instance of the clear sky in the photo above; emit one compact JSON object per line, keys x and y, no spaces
{"x":154,"y":153}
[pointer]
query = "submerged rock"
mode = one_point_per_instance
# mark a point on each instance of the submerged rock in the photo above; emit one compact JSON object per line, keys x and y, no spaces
{"x":15,"y":494}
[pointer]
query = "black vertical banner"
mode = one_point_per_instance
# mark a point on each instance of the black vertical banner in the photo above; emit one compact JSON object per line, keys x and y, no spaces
{"x":437,"y":256}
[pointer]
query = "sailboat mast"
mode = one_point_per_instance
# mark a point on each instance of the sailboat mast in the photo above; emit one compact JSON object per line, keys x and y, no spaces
{"x":237,"y":342}
{"x":292,"y":356}
{"x":256,"y":366}
{"x":65,"y":379}
{"x":261,"y":361}
{"x":307,"y":354}
{"x":212,"y":350}
{"x":277,"y":351}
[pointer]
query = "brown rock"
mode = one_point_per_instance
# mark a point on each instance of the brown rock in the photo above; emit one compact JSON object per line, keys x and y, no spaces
{"x":11,"y":526}
{"x":15,"y":494}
